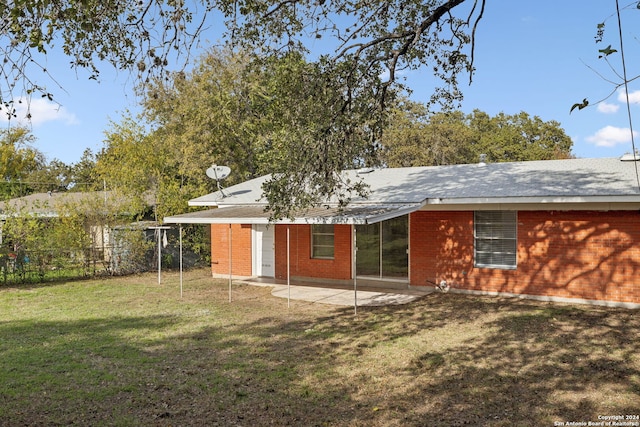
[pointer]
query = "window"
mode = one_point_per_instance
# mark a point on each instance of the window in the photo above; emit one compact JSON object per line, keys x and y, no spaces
{"x":322,"y":241}
{"x":495,"y":239}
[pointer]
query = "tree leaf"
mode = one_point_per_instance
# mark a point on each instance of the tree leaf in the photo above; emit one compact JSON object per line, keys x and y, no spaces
{"x":579,"y":105}
{"x":606,"y":51}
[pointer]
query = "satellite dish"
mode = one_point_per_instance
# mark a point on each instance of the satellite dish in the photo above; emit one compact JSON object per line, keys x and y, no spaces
{"x":218,"y":172}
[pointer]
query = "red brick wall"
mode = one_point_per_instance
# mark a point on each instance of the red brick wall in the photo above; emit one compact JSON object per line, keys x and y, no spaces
{"x":441,"y":247}
{"x":575,"y":254}
{"x":240,"y":249}
{"x":302,"y":264}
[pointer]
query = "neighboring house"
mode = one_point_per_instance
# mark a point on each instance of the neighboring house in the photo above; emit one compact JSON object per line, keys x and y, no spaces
{"x":561,"y":230}
{"x":50,"y":205}
{"x":96,"y":205}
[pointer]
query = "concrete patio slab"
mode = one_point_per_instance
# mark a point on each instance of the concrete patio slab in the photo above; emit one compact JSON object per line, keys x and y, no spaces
{"x":342,"y":296}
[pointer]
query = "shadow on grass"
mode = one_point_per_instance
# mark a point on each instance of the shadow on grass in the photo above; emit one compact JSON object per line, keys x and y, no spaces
{"x":536,"y":365}
{"x":442,"y":360}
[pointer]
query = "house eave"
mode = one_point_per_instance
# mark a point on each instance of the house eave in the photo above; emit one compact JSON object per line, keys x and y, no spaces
{"x":617,"y":202}
{"x":4,"y":217}
{"x":256,"y":214}
{"x":197,"y":203}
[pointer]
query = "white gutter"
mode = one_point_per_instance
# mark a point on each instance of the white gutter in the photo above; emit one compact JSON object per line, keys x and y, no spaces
{"x":534,"y":200}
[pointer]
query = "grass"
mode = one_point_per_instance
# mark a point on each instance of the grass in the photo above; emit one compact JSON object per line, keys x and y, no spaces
{"x":129,"y":352}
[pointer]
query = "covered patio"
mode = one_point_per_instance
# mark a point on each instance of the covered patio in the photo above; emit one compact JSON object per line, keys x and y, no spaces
{"x":321,"y":291}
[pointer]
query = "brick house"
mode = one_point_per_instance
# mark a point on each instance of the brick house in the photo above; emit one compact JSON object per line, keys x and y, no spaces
{"x":558,"y":230}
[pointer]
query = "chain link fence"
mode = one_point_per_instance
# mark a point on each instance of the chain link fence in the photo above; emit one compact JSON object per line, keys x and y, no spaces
{"x":130,"y":251}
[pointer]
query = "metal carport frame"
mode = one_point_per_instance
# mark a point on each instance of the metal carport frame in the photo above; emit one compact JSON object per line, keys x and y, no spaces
{"x":355,"y":214}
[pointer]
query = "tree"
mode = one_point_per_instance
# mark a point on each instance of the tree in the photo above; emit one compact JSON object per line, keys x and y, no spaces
{"x":142,"y":37}
{"x":415,"y":138}
{"x":51,"y":176}
{"x":145,"y":165}
{"x":18,"y":161}
{"x":208,"y":116}
{"x":370,"y":39}
{"x":83,"y":173}
{"x":87,"y":227}
{"x":146,"y":35}
{"x":132,"y":164}
{"x":280,"y":115}
{"x":518,"y":137}
{"x":189,"y":121}
{"x":25,"y":170}
{"x":314,"y":134}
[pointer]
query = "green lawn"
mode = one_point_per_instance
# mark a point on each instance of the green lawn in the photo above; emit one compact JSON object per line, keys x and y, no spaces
{"x":129,"y":352}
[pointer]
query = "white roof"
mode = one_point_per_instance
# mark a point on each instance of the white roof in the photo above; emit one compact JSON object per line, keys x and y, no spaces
{"x":600,"y":184}
{"x":548,"y":181}
{"x":51,"y":204}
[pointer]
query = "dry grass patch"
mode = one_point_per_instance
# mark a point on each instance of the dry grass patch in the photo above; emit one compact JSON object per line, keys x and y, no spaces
{"x":126,"y":351}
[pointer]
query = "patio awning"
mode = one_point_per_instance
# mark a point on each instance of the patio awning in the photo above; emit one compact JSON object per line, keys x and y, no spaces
{"x":256,"y":214}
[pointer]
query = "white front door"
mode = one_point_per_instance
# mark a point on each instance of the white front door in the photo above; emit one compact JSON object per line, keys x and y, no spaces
{"x":263,"y":251}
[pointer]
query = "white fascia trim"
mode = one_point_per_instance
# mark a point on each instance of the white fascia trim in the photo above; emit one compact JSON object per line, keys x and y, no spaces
{"x":265,"y":221}
{"x":192,"y":203}
{"x":221,"y":204}
{"x":187,"y":220}
{"x":347,"y":218}
{"x":397,"y":213}
{"x":533,"y":200}
{"x":603,"y":207}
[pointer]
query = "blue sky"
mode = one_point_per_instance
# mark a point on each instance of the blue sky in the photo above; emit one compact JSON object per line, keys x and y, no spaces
{"x":530,"y":56}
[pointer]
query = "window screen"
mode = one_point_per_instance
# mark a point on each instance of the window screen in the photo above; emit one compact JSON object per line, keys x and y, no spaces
{"x":322,"y":241}
{"x":495,"y":239}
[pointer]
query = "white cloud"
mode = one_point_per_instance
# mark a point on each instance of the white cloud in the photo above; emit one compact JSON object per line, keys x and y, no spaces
{"x":41,"y":111}
{"x":386,"y":74}
{"x":634,"y":97}
{"x":606,"y":108}
{"x":610,"y":136}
